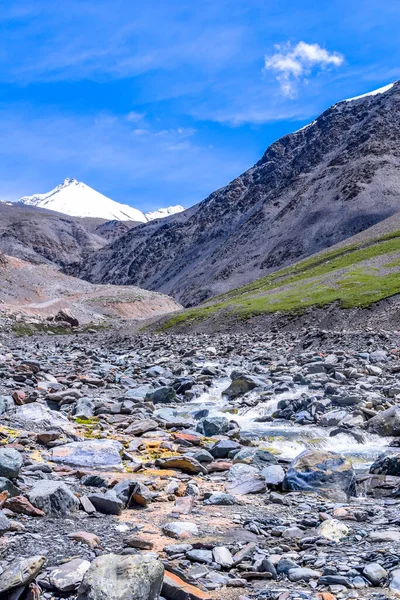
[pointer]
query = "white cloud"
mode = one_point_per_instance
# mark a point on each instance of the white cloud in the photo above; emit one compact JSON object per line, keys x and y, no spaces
{"x":292,"y":64}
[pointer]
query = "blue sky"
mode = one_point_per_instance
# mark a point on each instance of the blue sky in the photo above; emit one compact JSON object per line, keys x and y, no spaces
{"x":162,"y":102}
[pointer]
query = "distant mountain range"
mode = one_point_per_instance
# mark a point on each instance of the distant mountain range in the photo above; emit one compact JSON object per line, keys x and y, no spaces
{"x":77,"y":199}
{"x":310,"y":190}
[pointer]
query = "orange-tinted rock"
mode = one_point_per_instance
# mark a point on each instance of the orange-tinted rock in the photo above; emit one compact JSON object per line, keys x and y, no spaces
{"x":174,"y":588}
{"x":21,"y":505}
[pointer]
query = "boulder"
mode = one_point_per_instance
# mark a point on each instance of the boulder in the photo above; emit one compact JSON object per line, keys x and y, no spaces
{"x":386,"y":423}
{"x":333,"y":530}
{"x":210,"y":426}
{"x":244,"y":479}
{"x":65,"y":316}
{"x":43,"y":416}
{"x":220,"y":499}
{"x":241,"y":384}
{"x":84,"y":408}
{"x":255,"y":457}
{"x":375,"y":573}
{"x":10,"y":463}
{"x":21,"y":572}
{"x":222,"y":448}
{"x":54,"y":498}
{"x":68,"y":576}
{"x":386,"y":465}
{"x":273,"y":475}
{"x":114,"y":577}
{"x":161,"y":395}
{"x":108,"y":503}
{"x":328,"y":473}
{"x":93,"y":454}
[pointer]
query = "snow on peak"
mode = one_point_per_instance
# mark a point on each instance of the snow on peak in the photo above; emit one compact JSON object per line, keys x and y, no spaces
{"x":381,"y":90}
{"x":164,"y":212}
{"x":77,"y":199}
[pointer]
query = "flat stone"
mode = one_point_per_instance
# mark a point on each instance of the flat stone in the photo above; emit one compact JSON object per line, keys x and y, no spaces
{"x":180,"y":530}
{"x":303,"y":573}
{"x":68,"y":576}
{"x":93,"y":454}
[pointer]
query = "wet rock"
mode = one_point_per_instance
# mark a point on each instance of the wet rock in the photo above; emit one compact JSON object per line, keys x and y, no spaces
{"x":386,"y":423}
{"x":114,"y":577}
{"x":91,"y":454}
{"x":255,"y":457}
{"x":180,"y":530}
{"x":386,"y":465}
{"x":223,"y":448}
{"x":10,"y":463}
{"x":241,"y":384}
{"x":210,"y":426}
{"x":54,"y":498}
{"x":68,"y":577}
{"x":328,"y":473}
{"x":21,"y":572}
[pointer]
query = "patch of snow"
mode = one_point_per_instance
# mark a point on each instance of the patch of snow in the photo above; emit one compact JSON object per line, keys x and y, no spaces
{"x":381,"y":90}
{"x":164,"y":212}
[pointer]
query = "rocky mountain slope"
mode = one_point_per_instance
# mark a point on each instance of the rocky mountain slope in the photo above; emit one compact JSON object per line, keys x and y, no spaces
{"x":311,"y":189}
{"x":41,"y":291}
{"x":77,"y":199}
{"x":362,"y":272}
{"x":43,"y":236}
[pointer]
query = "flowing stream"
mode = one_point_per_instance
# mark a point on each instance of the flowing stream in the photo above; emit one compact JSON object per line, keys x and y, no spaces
{"x":283,"y":437}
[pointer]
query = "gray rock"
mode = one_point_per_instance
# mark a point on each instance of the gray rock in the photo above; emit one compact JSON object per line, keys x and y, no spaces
{"x":303,"y":574}
{"x":6,"y":403}
{"x":5,"y":524}
{"x":222,"y":448}
{"x":222,"y":556}
{"x":161,"y":395}
{"x":394,"y":584}
{"x":386,"y":423}
{"x":375,"y":573}
{"x":43,"y":416}
{"x":220,"y":499}
{"x":386,"y":465}
{"x":20,"y":572}
{"x":244,"y":479}
{"x":93,"y":454}
{"x":84,"y":408}
{"x":10,"y":463}
{"x":273,"y":474}
{"x":108,"y":503}
{"x":8,"y":486}
{"x":241,"y":384}
{"x":68,"y":577}
{"x":53,"y":497}
{"x":210,"y":426}
{"x":180,"y":530}
{"x":201,"y":556}
{"x":114,"y":577}
{"x":255,"y":457}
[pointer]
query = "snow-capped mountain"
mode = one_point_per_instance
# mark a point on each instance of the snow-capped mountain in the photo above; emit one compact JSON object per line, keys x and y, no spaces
{"x":164,"y":212}
{"x":79,"y":200}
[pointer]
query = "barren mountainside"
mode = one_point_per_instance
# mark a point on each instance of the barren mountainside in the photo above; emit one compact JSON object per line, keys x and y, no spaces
{"x":310,"y":190}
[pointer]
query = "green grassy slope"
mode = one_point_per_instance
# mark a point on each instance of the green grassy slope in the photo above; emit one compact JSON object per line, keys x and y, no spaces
{"x":355,"y":275}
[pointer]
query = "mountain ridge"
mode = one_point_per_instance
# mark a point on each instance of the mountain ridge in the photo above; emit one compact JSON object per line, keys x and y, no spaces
{"x":310,"y":190}
{"x":77,"y":199}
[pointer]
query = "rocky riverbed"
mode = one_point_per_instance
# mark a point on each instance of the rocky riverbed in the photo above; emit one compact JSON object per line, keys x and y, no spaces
{"x":263,"y":466}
